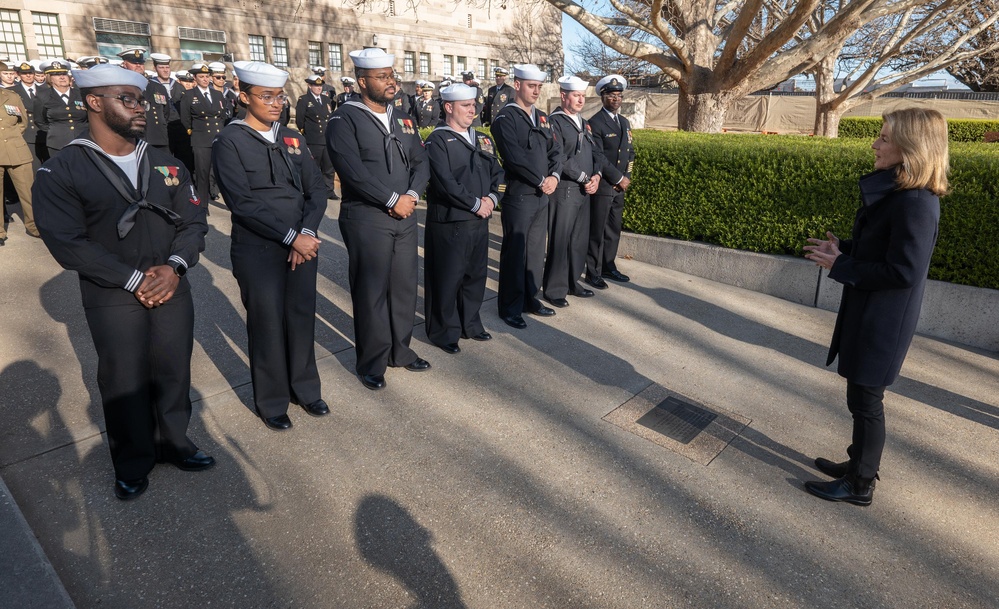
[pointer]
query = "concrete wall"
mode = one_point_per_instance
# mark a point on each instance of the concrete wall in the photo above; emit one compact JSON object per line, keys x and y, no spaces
{"x":958,"y":313}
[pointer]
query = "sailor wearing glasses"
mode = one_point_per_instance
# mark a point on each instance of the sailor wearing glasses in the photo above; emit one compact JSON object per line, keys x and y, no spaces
{"x":277,"y":197}
{"x":378,"y":154}
{"x":203,"y":114}
{"x":126,"y":218}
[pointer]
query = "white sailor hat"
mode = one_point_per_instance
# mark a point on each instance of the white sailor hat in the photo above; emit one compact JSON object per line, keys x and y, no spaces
{"x":572,"y":83}
{"x":347,"y":80}
{"x":184,"y":76}
{"x":150,"y":74}
{"x":260,"y":74}
{"x":37,"y":64}
{"x":315,"y":79}
{"x":529,"y":71}
{"x":428,"y":85}
{"x":446,"y":81}
{"x":89,"y":61}
{"x":370,"y":59}
{"x":612,"y":83}
{"x":107,"y":75}
{"x":458,"y":92}
{"x":469,"y":75}
{"x":159,"y":58}
{"x":320,"y":70}
{"x":115,"y":61}
{"x":133,"y":55}
{"x":217,"y":67}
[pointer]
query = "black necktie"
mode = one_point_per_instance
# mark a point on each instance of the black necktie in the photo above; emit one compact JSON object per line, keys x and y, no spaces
{"x":31,"y":93}
{"x":65,"y":99}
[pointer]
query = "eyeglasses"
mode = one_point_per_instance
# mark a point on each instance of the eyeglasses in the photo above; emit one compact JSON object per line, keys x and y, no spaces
{"x":128,"y":101}
{"x":382,"y":77}
{"x":269,"y":99}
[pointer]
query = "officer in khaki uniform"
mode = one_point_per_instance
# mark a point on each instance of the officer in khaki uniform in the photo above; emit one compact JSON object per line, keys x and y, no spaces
{"x":15,"y":158}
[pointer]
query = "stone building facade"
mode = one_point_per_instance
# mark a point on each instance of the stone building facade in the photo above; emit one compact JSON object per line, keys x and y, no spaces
{"x":430,"y":38}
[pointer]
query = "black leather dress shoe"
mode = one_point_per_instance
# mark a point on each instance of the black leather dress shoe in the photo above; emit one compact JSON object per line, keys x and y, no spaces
{"x":829,"y":468}
{"x":373,"y":381}
{"x":858,"y":491}
{"x":317,"y":408}
{"x":515,"y":321}
{"x":582,"y":293}
{"x":126,"y":490}
{"x":596,"y":282}
{"x":451,"y":348}
{"x":543,"y":311}
{"x":558,"y":302}
{"x":617,"y":275}
{"x":195,"y":463}
{"x":481,"y":336}
{"x":278,"y":423}
{"x":418,"y":365}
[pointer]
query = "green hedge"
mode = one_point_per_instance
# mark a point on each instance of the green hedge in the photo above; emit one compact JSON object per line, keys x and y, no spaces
{"x":959,"y":130}
{"x":770,"y":193}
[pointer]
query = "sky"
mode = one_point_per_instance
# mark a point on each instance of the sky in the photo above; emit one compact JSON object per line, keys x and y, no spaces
{"x":572,"y":33}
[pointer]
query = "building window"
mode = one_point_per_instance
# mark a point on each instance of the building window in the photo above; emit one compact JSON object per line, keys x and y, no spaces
{"x":201,"y":45}
{"x":336,"y":57}
{"x":482,"y":69}
{"x":315,"y":54}
{"x":258,"y":51}
{"x":462,"y":65}
{"x":424,"y":64}
{"x":11,"y":35}
{"x":281,"y":52}
{"x":409,"y":62}
{"x":114,"y":35}
{"x":469,"y":20}
{"x":449,"y":65}
{"x":47,"y":35}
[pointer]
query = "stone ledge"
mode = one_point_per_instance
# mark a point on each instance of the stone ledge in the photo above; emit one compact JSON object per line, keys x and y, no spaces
{"x":952,"y":312}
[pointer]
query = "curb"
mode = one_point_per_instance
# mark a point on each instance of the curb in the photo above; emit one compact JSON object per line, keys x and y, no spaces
{"x":29,"y":581}
{"x":958,"y":313}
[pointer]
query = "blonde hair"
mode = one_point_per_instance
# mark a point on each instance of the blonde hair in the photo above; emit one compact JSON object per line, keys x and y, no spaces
{"x":921,"y":136}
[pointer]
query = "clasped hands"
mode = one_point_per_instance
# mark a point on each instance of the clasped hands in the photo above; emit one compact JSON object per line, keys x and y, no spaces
{"x":158,"y":286}
{"x":303,"y":248}
{"x":823,"y":252}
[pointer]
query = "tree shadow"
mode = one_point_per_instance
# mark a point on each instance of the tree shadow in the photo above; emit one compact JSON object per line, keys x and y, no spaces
{"x":391,"y":540}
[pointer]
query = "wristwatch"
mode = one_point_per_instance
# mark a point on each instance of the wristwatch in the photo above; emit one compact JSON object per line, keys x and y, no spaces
{"x":179,"y":269}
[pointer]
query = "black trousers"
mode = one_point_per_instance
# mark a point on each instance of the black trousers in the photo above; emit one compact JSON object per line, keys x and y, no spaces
{"x":280,"y":324}
{"x":383,"y":270}
{"x":456,"y":255}
{"x":522,"y":255}
{"x":203,"y":173}
{"x":322,"y":156}
{"x":605,"y":233}
{"x":180,"y":144}
{"x":568,"y":237}
{"x":144,"y":376}
{"x":866,"y":404}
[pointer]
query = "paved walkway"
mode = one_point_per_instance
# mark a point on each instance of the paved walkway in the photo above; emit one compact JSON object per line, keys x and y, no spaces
{"x":492,"y":481}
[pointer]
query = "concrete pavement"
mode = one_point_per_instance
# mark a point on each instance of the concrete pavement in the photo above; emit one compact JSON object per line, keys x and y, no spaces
{"x":493,"y":479}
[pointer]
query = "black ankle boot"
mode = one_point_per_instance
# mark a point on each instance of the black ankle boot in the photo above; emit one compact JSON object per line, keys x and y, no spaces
{"x":849,"y":488}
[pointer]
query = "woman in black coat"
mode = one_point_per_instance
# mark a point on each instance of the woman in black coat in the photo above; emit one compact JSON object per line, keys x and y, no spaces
{"x":883,"y":270}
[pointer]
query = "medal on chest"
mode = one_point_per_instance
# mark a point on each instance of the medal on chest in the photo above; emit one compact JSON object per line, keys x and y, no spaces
{"x":502,"y":98}
{"x":12,"y":109}
{"x":78,"y":104}
{"x":169,"y":175}
{"x":543,"y":122}
{"x":159,"y":99}
{"x":407,"y":125}
{"x":485,"y":144}
{"x":629,"y":136}
{"x":293,"y":145}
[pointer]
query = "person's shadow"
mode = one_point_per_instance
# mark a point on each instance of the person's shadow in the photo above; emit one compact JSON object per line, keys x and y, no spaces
{"x":391,"y":540}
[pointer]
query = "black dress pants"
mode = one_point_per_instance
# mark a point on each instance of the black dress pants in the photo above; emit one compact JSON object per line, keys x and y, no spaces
{"x":605,"y":233}
{"x":522,"y":255}
{"x":280,"y":323}
{"x":383,"y":270}
{"x":322,"y":156}
{"x":144,"y":376}
{"x":568,"y":235}
{"x":203,"y":173}
{"x":866,"y":404}
{"x":456,"y":255}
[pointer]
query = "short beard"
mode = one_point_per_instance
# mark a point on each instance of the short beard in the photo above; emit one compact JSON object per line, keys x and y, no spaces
{"x":124,"y":128}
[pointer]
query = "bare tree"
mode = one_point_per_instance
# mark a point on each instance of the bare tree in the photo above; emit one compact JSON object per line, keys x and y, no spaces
{"x":981,"y":72}
{"x":721,"y":50}
{"x":898,"y":49}
{"x":595,"y":57}
{"x":535,"y":37}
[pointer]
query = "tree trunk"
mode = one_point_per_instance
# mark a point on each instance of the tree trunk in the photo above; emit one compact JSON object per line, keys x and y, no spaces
{"x":828,"y":109}
{"x":702,"y":112}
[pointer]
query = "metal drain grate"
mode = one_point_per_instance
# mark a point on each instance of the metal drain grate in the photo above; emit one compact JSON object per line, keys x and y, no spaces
{"x":677,"y":420}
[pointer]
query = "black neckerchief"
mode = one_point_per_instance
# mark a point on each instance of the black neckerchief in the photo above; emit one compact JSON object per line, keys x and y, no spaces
{"x":272,"y":148}
{"x":135,"y":197}
{"x":532,"y":119}
{"x":390,"y":136}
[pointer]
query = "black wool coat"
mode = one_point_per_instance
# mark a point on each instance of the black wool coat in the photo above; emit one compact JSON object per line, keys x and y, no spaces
{"x":883,"y":269}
